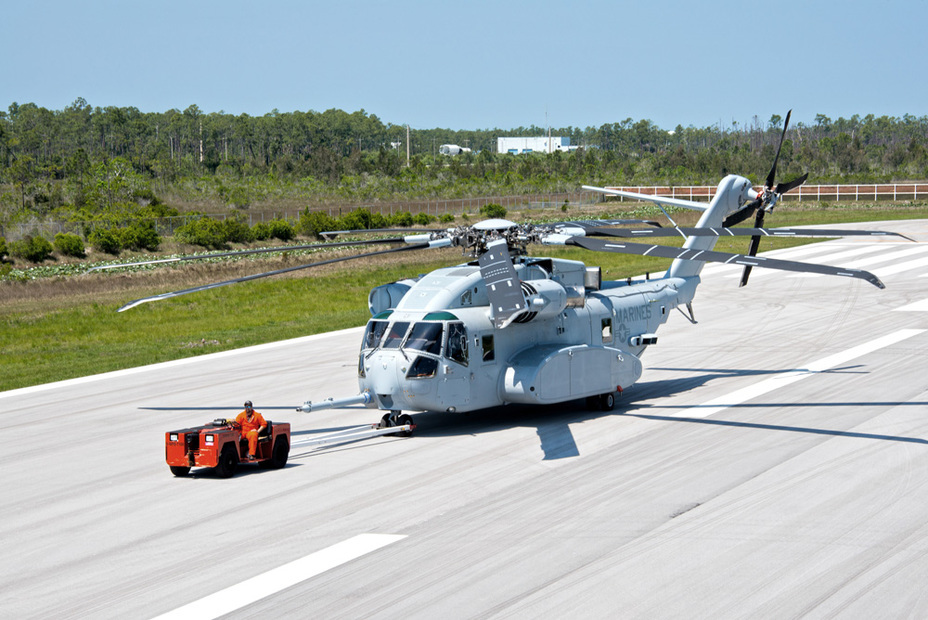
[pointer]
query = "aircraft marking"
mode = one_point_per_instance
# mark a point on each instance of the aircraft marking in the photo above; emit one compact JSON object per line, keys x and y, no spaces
{"x":261,"y":586}
{"x":791,"y":376}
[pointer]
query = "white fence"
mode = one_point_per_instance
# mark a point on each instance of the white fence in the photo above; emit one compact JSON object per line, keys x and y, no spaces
{"x":880,"y":191}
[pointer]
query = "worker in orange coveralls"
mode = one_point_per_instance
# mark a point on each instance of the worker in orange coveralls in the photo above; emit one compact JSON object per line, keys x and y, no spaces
{"x":252,"y":423}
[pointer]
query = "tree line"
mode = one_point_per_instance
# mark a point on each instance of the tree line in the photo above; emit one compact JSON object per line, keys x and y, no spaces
{"x":86,"y":162}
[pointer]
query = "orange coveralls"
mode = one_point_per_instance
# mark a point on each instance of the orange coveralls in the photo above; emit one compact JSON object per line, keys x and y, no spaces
{"x":250,"y":429}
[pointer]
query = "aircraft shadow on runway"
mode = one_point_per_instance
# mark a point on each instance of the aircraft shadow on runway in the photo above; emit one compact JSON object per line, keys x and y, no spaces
{"x":552,"y":422}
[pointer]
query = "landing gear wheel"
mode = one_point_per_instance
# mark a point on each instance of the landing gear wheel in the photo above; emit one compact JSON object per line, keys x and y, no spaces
{"x":607,"y":401}
{"x":227,"y":462}
{"x":387,"y":421}
{"x":403,"y":420}
{"x":179,"y":470}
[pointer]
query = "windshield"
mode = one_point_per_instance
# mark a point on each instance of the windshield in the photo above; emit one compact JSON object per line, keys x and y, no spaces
{"x":425,"y":337}
{"x":395,"y":335}
{"x":374,"y":333}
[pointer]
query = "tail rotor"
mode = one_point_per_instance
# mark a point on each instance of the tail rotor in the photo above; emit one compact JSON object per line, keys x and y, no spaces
{"x":765,"y":202}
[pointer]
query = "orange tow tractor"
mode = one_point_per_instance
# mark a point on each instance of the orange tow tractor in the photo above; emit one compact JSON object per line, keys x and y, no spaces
{"x":219,"y":445}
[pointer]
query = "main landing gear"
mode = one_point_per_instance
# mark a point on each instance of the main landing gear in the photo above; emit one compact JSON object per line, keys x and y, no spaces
{"x":605,"y":402}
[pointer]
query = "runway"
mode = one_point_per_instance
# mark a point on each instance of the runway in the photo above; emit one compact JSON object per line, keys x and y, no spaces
{"x":771,"y":462}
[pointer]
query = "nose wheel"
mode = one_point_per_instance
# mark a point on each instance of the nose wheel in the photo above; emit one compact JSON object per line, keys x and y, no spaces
{"x":396,"y":418}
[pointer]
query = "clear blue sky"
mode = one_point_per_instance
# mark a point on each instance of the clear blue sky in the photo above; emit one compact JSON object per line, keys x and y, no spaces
{"x":474,"y":64}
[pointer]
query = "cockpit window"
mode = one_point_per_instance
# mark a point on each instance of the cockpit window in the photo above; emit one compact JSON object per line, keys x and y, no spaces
{"x":374,"y":333}
{"x":425,"y":337}
{"x":395,"y":335}
{"x":456,"y":348}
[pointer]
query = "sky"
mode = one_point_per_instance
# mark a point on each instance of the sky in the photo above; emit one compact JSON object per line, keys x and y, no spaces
{"x":474,"y":64}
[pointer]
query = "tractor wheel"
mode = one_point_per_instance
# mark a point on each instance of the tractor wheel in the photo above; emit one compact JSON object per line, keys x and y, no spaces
{"x":227,"y":462}
{"x":403,"y":420}
{"x":607,"y":401}
{"x":281,"y":452}
{"x":179,"y":470}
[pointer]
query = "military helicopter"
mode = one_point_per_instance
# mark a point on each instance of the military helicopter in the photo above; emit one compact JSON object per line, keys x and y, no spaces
{"x":506,"y":327}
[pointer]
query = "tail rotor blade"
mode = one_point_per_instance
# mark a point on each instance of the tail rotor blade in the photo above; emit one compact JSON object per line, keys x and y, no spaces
{"x":782,"y":188}
{"x":755,"y":244}
{"x":771,"y":177}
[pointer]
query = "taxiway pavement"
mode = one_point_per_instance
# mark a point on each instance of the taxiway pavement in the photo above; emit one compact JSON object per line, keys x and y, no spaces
{"x":772,"y":461}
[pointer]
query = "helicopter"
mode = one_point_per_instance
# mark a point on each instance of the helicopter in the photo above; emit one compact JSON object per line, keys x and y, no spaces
{"x":506,"y":327}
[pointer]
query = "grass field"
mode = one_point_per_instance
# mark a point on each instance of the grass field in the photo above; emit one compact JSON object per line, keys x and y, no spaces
{"x":65,"y":327}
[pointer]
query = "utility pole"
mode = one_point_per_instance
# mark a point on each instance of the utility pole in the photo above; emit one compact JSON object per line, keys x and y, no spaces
{"x":407,"y":146}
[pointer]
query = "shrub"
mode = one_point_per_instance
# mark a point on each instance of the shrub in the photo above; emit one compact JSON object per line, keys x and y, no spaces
{"x":3,"y":251}
{"x":235,"y":230}
{"x":493,"y":211}
{"x":446,"y":218}
{"x":69,"y":244}
{"x":314,"y":223}
{"x":105,"y":240}
{"x":423,"y":219}
{"x":379,"y":221}
{"x":359,"y":219}
{"x":205,"y":232}
{"x":261,"y":231}
{"x":139,"y":236}
{"x":33,"y":249}
{"x":403,"y":218}
{"x":282,"y":229}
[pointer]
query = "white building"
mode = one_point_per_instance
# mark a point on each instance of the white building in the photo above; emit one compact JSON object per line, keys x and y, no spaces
{"x":543,"y":144}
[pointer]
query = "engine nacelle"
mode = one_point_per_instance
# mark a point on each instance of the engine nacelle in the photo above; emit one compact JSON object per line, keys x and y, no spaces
{"x":544,"y":299}
{"x":387,"y":296}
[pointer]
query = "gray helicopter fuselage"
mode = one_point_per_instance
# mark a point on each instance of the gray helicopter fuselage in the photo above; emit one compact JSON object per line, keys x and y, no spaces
{"x":438,"y":349}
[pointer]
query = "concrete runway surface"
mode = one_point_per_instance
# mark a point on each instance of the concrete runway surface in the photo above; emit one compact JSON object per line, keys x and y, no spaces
{"x":771,"y":462}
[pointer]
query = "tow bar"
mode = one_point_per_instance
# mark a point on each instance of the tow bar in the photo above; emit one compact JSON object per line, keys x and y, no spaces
{"x":391,"y":424}
{"x":355,"y":433}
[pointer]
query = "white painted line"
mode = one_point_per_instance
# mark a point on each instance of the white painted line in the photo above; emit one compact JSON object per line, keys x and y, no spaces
{"x":920,"y":263}
{"x":264,"y":585}
{"x":209,"y":357}
{"x":791,"y":376}
{"x":918,"y":306}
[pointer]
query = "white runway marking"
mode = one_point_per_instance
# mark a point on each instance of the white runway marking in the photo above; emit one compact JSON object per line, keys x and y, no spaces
{"x":920,"y":263}
{"x":254,"y":589}
{"x":918,"y":306}
{"x":791,"y":376}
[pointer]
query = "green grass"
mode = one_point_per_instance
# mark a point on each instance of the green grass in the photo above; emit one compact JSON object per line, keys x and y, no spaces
{"x":44,"y":341}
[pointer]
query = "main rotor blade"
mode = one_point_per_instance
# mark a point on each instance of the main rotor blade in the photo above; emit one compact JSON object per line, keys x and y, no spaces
{"x":659,"y":200}
{"x":365,"y":231}
{"x":285,"y":248}
{"x":207,"y":287}
{"x":631,"y":233}
{"x":597,"y":223}
{"x":665,"y":251}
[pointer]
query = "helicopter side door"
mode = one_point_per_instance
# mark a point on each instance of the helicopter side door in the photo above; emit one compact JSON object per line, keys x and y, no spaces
{"x":454,"y":391}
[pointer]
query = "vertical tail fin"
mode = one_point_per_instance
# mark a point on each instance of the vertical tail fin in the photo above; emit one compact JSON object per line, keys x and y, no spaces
{"x":732,"y":193}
